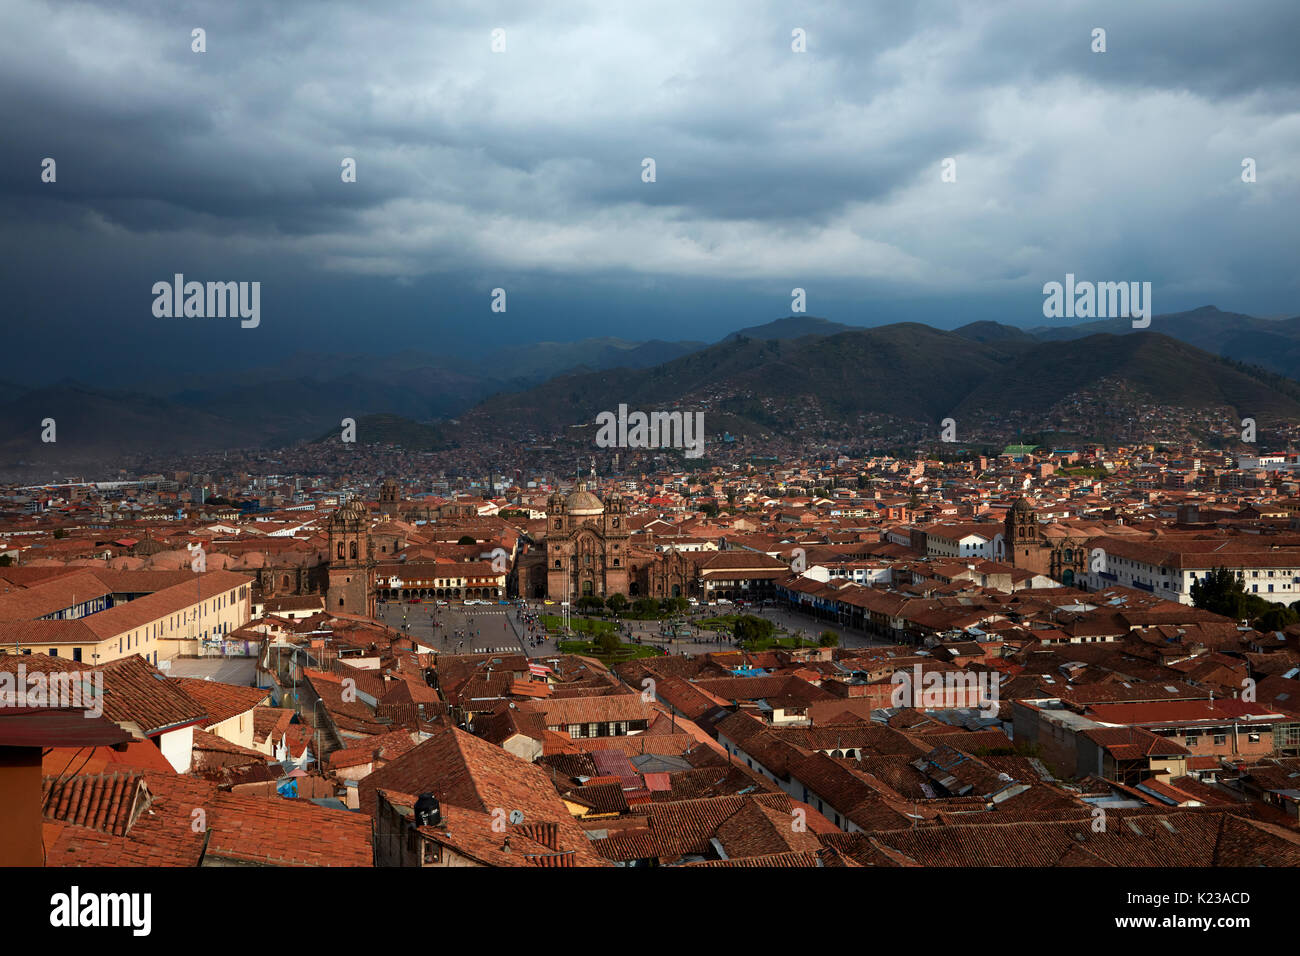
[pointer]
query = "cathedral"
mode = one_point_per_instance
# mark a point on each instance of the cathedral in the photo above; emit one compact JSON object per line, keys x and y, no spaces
{"x":586,"y":545}
{"x":1049,"y":550}
{"x":587,"y":550}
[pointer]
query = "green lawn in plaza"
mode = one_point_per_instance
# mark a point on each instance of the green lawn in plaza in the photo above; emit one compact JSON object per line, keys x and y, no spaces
{"x":582,"y":625}
{"x":625,"y":652}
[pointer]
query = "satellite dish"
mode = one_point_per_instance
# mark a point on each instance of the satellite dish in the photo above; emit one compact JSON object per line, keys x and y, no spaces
{"x":516,"y":817}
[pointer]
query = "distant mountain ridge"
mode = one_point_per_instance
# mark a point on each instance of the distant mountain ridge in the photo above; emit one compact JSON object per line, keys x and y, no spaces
{"x":907,"y":370}
{"x":791,"y":327}
{"x":1273,"y":344}
{"x":982,"y":367}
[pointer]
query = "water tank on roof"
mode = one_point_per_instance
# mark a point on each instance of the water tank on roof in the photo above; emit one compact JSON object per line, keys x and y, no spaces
{"x":427,"y":812}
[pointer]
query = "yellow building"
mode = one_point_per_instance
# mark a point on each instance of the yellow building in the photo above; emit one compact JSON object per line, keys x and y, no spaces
{"x":98,"y":616}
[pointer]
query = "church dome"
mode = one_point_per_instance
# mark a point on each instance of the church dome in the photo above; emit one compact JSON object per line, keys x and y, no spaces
{"x":351,"y":511}
{"x":582,"y":502}
{"x":1021,"y":505}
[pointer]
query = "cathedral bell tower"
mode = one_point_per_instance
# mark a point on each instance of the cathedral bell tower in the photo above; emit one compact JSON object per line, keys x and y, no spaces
{"x":1021,"y":534}
{"x":350,"y":561}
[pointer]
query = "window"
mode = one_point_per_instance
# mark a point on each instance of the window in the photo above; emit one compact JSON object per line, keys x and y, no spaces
{"x":54,"y":652}
{"x":76,"y":653}
{"x":1220,"y":738}
{"x":1193,"y":739}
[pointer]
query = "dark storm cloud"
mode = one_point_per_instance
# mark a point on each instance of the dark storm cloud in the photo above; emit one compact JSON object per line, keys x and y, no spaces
{"x":523,"y":169}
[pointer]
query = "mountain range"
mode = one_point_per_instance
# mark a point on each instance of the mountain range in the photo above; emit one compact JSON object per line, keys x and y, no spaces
{"x":909,"y":371}
{"x":758,"y":378}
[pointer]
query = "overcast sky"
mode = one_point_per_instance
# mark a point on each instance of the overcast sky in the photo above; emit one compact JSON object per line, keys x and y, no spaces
{"x":522,"y":169}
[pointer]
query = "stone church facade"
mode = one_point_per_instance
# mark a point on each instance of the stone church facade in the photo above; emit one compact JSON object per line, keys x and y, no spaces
{"x":586,"y":546}
{"x":1061,"y":556}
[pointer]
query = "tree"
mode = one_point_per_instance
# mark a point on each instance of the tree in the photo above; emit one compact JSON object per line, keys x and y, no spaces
{"x":710,"y":509}
{"x":1221,"y":592}
{"x":60,"y":533}
{"x":616,"y":603}
{"x":467,"y":539}
{"x":1276,"y":617}
{"x":829,"y":639}
{"x":751,"y":628}
{"x":646,"y":607}
{"x":608,"y":642}
{"x":590,"y":602}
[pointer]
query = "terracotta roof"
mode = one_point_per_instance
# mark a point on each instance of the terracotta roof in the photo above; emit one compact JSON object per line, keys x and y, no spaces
{"x":275,"y":831}
{"x":221,"y":701}
{"x":373,"y":750}
{"x":464,"y":771}
{"x":50,"y":596}
{"x":136,"y":692}
{"x":1189,"y":838}
{"x":473,"y":835}
{"x":107,"y":802}
{"x":562,"y":711}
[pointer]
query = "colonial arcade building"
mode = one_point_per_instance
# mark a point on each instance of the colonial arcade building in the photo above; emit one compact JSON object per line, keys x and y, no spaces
{"x":453,"y":581}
